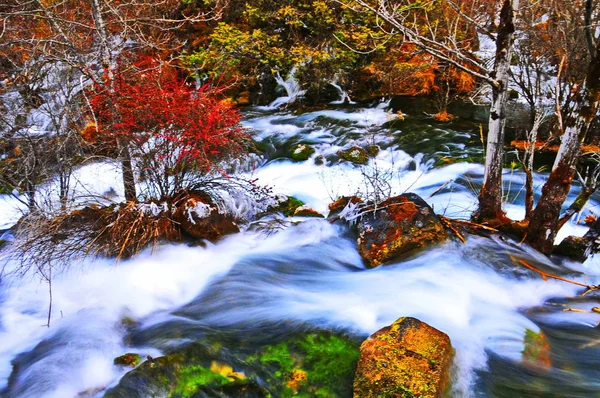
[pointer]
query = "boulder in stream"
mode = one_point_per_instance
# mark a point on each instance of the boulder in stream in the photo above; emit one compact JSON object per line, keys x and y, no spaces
{"x":355,"y":154}
{"x":397,"y":226}
{"x":200,"y":218}
{"x":302,"y":152}
{"x":311,"y":364}
{"x":407,"y":359}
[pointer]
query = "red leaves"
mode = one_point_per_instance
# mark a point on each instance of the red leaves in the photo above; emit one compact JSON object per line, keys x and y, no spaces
{"x":156,"y":105}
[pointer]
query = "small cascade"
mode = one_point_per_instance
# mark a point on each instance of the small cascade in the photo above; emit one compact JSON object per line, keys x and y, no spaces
{"x":344,"y":97}
{"x":292,"y":88}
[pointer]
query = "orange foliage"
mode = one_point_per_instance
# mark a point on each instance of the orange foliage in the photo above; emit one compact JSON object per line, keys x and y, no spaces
{"x":443,"y":116}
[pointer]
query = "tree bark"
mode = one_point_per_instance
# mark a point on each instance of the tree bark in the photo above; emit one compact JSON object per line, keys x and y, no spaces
{"x":490,"y":197}
{"x":544,"y":223}
{"x":128,"y":175}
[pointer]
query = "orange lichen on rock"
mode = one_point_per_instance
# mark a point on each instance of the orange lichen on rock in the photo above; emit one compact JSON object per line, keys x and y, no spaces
{"x":397,"y":226}
{"x":407,"y":359}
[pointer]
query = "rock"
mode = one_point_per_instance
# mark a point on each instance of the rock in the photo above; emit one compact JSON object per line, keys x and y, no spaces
{"x":340,"y":204}
{"x":319,"y":364}
{"x":314,"y":364}
{"x":373,"y":150}
{"x":397,"y":226}
{"x":573,"y":247}
{"x":130,"y":359}
{"x":407,"y":359}
{"x":302,"y":152}
{"x":287,"y":206}
{"x":305,"y":211}
{"x":200,"y":218}
{"x":355,"y":155}
{"x":537,"y":349}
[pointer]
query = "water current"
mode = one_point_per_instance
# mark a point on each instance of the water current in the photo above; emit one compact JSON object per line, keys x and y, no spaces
{"x":255,"y":285}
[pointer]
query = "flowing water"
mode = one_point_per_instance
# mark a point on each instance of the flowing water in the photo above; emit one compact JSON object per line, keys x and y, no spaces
{"x":259,"y":284}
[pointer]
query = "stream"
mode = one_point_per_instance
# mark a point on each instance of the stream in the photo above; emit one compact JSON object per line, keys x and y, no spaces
{"x":263,"y":283}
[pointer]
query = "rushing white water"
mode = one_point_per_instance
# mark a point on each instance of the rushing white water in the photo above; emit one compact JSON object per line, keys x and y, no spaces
{"x":308,"y":272}
{"x":344,"y":97}
{"x":291,"y":87}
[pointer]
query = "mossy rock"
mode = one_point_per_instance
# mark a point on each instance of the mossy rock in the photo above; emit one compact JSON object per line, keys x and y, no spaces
{"x":355,"y":154}
{"x":537,"y":349}
{"x":312,"y":365}
{"x":287,"y":207}
{"x":129,"y":359}
{"x":317,"y":364}
{"x":396,"y":227}
{"x":184,"y":375}
{"x":302,"y":152}
{"x":373,"y":150}
{"x":407,"y":359}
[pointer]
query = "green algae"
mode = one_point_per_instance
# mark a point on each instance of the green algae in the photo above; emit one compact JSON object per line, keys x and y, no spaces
{"x":191,"y":378}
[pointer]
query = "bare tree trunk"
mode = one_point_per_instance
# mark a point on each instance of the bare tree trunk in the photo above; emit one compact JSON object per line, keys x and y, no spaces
{"x":107,"y":64}
{"x":538,"y":118}
{"x":128,"y":175}
{"x":544,"y":223}
{"x":490,"y":197}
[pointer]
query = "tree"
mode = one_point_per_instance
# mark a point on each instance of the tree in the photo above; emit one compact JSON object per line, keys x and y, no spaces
{"x":544,"y":222}
{"x":401,"y":18}
{"x":84,"y":38}
{"x":177,"y":133}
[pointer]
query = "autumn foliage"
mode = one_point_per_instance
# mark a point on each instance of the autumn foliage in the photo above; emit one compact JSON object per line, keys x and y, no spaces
{"x":173,"y":128}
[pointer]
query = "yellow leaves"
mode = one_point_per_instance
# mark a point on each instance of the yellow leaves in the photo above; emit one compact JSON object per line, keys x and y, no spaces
{"x":226,"y":371}
{"x":296,"y":379}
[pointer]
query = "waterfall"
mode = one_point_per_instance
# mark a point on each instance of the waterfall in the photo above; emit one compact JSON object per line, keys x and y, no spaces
{"x":344,"y":97}
{"x":292,"y":89}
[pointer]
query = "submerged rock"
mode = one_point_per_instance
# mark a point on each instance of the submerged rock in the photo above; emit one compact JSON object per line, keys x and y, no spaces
{"x":314,"y":364}
{"x":200,"y":218}
{"x":397,"y":226}
{"x":407,"y":359}
{"x":537,"y":349}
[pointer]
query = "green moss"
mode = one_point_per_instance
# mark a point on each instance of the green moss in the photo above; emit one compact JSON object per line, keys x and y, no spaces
{"x":355,"y":155}
{"x":279,"y":356}
{"x":313,"y":365}
{"x":302,"y":152}
{"x":192,"y":378}
{"x":288,"y":207}
{"x":328,"y":358}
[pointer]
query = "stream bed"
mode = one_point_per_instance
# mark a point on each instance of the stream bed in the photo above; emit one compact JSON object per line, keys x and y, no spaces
{"x":262,"y":284}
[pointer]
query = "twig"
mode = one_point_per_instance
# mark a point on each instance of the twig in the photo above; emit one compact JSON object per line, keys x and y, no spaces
{"x":471,"y":224}
{"x":546,"y":275}
{"x":447,"y":224}
{"x":440,"y":188}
